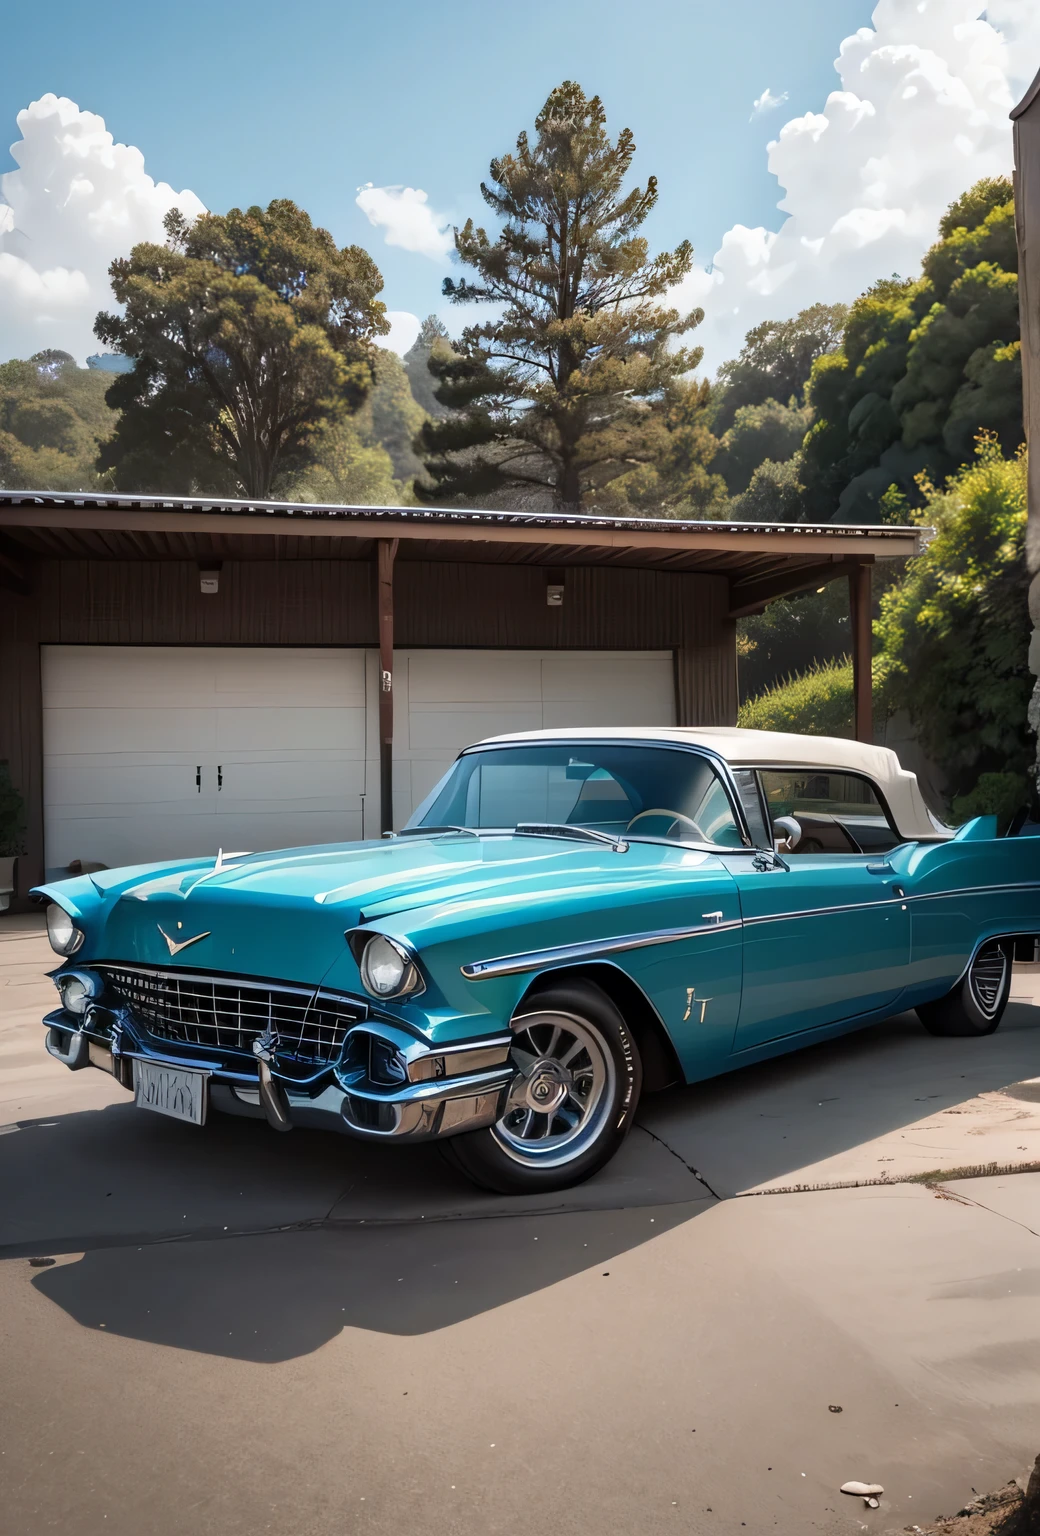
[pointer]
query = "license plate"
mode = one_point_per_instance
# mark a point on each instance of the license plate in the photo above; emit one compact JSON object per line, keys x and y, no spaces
{"x":170,"y":1091}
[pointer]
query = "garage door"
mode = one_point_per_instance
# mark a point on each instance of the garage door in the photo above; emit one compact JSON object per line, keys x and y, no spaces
{"x":158,"y":752}
{"x":445,"y":700}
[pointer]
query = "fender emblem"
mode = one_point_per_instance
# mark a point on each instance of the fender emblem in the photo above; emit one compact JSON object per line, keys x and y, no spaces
{"x":173,"y":946}
{"x":691,"y":1000}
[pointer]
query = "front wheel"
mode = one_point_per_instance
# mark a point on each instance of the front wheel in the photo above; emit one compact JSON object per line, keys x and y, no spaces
{"x":976,"y":1004}
{"x":571,"y":1103}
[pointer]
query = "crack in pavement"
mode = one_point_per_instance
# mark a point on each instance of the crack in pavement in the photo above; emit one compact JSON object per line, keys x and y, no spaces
{"x":46,"y":1247}
{"x":688,"y":1166}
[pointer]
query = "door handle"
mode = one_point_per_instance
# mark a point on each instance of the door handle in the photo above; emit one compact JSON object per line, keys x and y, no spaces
{"x":884,"y":870}
{"x":198,"y":779}
{"x":220,"y":777}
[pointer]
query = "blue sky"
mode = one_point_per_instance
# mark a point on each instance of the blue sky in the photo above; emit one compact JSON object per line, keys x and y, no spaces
{"x":243,"y":102}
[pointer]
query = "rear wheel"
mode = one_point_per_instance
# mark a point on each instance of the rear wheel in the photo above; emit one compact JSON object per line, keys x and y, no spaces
{"x":571,"y":1103}
{"x":976,"y":1004}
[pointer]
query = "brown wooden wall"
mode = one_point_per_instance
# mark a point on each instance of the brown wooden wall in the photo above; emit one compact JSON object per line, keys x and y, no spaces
{"x":333,"y":602}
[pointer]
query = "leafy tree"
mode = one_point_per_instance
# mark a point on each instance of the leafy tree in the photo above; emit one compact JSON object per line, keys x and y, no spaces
{"x":433,"y":343}
{"x":792,"y":636}
{"x":680,"y":481}
{"x":53,"y":416}
{"x":251,"y":332}
{"x":391,"y":416}
{"x":774,"y":495}
{"x":550,"y":395}
{"x":776,"y":361}
{"x":954,"y":635}
{"x":925,"y":365}
{"x":345,"y":470}
{"x":760,"y":432}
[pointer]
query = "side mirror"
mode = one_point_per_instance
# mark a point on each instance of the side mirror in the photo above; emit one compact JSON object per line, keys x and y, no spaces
{"x":787,"y":834}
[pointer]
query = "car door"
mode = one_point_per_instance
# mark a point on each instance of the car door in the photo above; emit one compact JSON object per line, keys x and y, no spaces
{"x":826,"y":934}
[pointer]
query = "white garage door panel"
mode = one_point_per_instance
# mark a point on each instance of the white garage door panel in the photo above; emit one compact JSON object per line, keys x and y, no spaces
{"x":321,"y":783}
{"x":127,"y":727}
{"x":83,"y":784}
{"x":277,"y":736}
{"x":446,"y":700}
{"x":272,"y":726}
{"x":440,"y":677}
{"x":321,"y":679}
{"x":443,"y":729}
{"x":94,"y":676}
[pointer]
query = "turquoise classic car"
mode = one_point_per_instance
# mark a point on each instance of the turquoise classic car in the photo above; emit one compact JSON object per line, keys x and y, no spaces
{"x":570,"y":918}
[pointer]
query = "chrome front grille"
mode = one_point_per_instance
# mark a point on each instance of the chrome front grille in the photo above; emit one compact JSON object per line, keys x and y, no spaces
{"x":227,"y":1013}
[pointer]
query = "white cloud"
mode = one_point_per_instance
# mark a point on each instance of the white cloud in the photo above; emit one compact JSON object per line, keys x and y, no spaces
{"x":76,"y":202}
{"x":921,"y":114}
{"x":767,"y":102}
{"x":405,"y":216}
{"x":404,"y":328}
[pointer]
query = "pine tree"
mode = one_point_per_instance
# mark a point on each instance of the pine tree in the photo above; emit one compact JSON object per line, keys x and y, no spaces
{"x":431,"y":342}
{"x":554,"y":394}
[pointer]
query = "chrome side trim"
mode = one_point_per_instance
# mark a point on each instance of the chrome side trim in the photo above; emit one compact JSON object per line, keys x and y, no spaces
{"x":850,"y":906}
{"x":512,"y":965}
{"x":976,"y":890}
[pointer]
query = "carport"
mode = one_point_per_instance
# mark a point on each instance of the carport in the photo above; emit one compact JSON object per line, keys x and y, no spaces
{"x":176,"y":673}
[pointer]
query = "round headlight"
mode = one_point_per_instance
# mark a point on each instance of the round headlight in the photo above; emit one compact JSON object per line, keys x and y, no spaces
{"x":75,"y":993}
{"x":386,"y":969}
{"x":65,"y":937}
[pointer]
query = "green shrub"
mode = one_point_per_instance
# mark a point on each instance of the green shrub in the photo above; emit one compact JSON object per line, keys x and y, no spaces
{"x":996,"y":794}
{"x":816,"y":703}
{"x":953,"y":637}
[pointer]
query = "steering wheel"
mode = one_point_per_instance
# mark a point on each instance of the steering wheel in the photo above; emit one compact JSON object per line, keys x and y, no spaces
{"x":676,"y":818}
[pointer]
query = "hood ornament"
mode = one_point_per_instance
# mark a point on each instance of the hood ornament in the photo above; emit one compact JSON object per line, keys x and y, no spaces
{"x":174,"y":945}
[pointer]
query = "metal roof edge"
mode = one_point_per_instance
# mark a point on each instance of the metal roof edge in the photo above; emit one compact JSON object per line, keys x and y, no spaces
{"x":435,"y":516}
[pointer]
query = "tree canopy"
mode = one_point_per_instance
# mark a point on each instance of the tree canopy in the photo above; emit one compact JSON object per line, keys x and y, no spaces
{"x":925,"y":365}
{"x":776,"y":361}
{"x":954,"y":634}
{"x":53,"y":416}
{"x":251,"y":333}
{"x":550,"y":396}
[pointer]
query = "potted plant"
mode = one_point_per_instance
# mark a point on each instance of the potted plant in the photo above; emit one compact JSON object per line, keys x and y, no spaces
{"x":12,"y":834}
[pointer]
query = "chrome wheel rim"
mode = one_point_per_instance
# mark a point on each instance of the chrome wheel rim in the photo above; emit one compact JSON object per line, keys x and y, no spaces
{"x":562,"y":1093}
{"x":987,"y":976}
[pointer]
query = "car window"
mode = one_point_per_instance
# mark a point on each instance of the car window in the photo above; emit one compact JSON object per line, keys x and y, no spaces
{"x":837,"y":812}
{"x":640,"y":790}
{"x":746,"y":780}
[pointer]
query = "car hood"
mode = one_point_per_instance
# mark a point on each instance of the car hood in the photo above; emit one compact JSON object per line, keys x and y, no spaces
{"x":283,"y":915}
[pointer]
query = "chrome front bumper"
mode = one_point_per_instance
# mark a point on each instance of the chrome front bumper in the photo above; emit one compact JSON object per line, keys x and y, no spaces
{"x":441,"y":1091}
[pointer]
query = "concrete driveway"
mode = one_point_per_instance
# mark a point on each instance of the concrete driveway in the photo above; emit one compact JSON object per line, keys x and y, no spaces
{"x":241,"y":1331}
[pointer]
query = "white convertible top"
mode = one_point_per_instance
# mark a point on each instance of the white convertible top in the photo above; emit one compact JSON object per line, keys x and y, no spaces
{"x":780,"y":749}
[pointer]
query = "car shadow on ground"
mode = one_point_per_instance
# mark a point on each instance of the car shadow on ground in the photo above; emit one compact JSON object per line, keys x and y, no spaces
{"x":237,"y":1241}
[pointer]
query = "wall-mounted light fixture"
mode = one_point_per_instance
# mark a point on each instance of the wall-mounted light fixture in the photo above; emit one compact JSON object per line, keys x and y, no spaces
{"x":554,"y":594}
{"x":209,"y":578}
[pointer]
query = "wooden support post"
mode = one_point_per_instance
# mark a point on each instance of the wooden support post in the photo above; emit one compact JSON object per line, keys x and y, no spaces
{"x":862,"y":653}
{"x":387,"y":554}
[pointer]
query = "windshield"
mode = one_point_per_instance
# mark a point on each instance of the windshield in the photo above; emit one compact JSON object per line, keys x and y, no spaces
{"x":650,"y":792}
